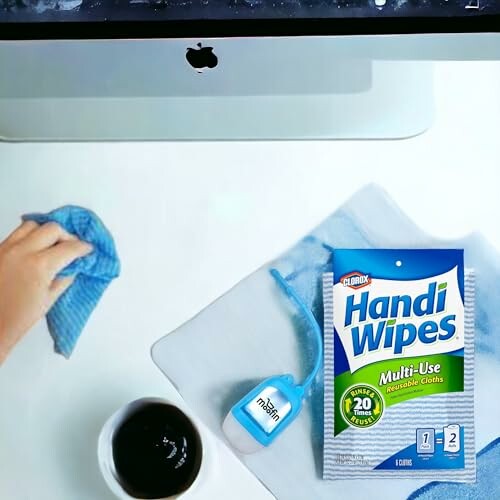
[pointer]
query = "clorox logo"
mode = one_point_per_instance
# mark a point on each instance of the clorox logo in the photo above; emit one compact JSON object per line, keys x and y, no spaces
{"x":356,"y":280}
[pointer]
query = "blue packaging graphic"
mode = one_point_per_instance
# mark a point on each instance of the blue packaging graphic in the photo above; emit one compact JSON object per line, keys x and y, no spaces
{"x":399,"y":367}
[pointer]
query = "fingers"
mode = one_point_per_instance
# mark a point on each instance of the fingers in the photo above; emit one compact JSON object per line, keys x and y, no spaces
{"x":22,"y":231}
{"x":46,"y":236}
{"x":61,"y":255}
{"x":58,"y":287}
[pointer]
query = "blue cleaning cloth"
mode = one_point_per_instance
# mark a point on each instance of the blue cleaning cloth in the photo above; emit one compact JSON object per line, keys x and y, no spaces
{"x":370,"y":219}
{"x":487,"y":486}
{"x":93,"y":273}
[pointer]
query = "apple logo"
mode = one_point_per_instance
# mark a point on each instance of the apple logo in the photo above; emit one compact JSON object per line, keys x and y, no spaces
{"x":201,"y":58}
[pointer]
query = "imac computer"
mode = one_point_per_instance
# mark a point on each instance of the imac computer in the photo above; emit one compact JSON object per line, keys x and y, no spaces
{"x":230,"y":69}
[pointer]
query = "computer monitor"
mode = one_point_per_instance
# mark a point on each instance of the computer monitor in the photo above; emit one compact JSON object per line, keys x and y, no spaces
{"x":230,"y":69}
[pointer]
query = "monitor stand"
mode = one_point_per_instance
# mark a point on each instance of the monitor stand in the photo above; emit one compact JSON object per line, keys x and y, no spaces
{"x":147,"y":90}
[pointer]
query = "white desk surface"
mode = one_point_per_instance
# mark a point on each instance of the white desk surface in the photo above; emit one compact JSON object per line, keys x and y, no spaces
{"x":210,"y":213}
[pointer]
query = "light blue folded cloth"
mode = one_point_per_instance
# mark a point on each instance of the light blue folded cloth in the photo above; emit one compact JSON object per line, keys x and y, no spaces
{"x":372,"y":220}
{"x":93,"y":273}
{"x":487,"y":486}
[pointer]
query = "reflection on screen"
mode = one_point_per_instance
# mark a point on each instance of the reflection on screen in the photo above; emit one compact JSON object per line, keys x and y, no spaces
{"x":136,"y":10}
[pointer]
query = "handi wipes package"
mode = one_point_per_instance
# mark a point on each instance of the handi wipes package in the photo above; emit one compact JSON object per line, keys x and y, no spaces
{"x":399,"y":365}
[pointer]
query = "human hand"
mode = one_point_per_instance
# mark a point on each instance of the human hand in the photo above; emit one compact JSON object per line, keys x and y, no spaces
{"x":30,"y":259}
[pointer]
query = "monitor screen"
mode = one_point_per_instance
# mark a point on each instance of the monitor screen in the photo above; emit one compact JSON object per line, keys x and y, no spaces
{"x":152,"y":18}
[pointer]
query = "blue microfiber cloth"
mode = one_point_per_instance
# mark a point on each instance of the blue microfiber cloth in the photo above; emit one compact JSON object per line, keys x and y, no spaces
{"x":487,"y":485}
{"x":68,"y":316}
{"x":370,"y":219}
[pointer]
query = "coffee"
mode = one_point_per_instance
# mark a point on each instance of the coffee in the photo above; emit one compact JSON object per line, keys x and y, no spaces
{"x":156,"y":452}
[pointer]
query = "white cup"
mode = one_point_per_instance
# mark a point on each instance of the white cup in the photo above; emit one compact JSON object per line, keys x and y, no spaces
{"x":105,"y":448}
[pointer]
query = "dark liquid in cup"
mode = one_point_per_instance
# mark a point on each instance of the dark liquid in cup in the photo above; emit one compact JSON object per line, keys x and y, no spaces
{"x":156,"y":451}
